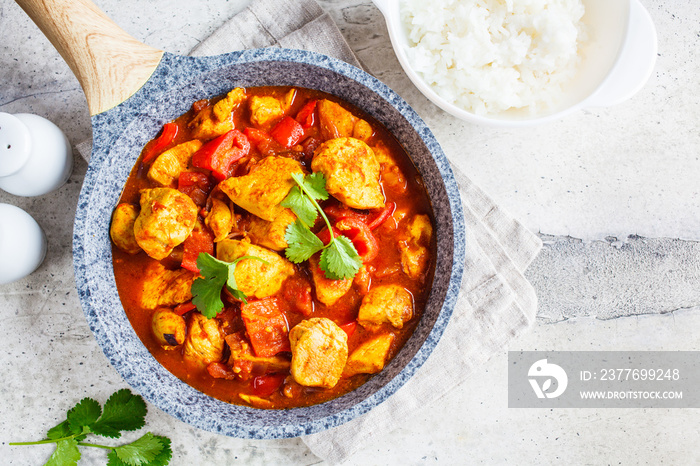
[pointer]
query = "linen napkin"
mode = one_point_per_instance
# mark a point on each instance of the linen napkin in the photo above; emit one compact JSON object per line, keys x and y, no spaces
{"x":496,"y":302}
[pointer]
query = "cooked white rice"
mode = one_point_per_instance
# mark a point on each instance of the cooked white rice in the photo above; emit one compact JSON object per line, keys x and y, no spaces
{"x":487,"y":56}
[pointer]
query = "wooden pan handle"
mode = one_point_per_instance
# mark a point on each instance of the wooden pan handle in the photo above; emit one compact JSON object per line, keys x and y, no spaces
{"x":109,"y":64}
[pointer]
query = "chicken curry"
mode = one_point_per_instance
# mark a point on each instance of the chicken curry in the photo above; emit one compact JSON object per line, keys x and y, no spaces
{"x":273,"y":247}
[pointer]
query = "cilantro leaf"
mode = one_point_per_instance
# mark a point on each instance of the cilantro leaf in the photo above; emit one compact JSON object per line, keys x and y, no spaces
{"x":302,"y":207}
{"x":60,"y":431}
{"x":300,"y":198}
{"x":149,"y":450}
{"x":84,"y":414}
{"x":206,"y":291}
{"x":314,"y":185}
{"x":239,"y":295}
{"x":302,"y":243}
{"x":123,"y":411}
{"x":340,"y":259}
{"x":65,"y":454}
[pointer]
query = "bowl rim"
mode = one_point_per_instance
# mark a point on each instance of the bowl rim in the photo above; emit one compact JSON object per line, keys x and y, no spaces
{"x":93,"y":265}
{"x":636,"y":12}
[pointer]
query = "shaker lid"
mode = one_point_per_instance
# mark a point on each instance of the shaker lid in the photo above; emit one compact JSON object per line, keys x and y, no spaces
{"x":15,"y":144}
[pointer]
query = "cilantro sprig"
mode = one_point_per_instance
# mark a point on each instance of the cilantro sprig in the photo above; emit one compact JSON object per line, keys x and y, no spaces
{"x":339,"y":258}
{"x":206,"y":290}
{"x":123,"y":411}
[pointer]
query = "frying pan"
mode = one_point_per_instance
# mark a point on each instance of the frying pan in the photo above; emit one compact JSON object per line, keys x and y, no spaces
{"x":132,"y":89}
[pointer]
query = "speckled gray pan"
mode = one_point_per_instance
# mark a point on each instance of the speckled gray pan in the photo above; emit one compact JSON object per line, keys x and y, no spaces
{"x":120,"y":133}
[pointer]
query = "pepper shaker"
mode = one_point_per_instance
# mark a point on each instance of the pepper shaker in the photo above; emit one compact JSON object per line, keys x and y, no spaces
{"x":22,"y":244}
{"x":35,"y":156}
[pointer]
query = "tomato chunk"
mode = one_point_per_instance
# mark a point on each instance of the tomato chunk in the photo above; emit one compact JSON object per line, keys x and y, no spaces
{"x":266,"y":326}
{"x":266,"y":385}
{"x":287,"y":132}
{"x":339,"y":211}
{"x":198,"y":241}
{"x":297,"y":292}
{"x":219,"y":154}
{"x":196,"y":185}
{"x":220,"y":371}
{"x":166,"y":137}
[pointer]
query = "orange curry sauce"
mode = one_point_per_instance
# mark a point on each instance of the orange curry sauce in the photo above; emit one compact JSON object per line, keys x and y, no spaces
{"x":402,"y":186}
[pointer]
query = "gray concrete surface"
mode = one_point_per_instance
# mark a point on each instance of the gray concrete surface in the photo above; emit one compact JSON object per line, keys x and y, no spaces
{"x":626,"y":170}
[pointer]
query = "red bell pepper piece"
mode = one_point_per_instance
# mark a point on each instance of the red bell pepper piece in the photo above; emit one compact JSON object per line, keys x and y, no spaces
{"x":266,"y":326}
{"x":183,"y":308}
{"x":307,"y":115}
{"x":196,"y":185}
{"x":198,"y":241}
{"x":166,"y":137}
{"x":220,"y":153}
{"x":382,"y":216}
{"x":362,"y":238}
{"x":266,"y":385}
{"x":349,"y":328}
{"x":287,"y":132}
{"x":325,"y":237}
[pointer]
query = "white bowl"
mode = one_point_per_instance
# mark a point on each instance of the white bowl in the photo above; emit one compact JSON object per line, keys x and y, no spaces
{"x":617,"y":60}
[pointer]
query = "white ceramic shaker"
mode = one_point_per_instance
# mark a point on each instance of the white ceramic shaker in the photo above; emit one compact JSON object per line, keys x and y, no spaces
{"x":22,"y":244}
{"x":35,"y":156}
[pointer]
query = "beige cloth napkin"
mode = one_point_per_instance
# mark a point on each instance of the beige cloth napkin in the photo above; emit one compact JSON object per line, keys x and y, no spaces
{"x":496,"y":302}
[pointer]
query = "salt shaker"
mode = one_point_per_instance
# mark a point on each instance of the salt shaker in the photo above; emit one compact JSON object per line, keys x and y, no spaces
{"x":22,"y":244}
{"x":35,"y":156}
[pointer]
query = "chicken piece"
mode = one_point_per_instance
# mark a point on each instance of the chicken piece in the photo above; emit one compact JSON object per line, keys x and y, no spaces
{"x":362,"y":130}
{"x":370,"y":356}
{"x":392,"y":176}
{"x":163,"y":287}
{"x":216,"y":120}
{"x":169,"y":328}
{"x":167,"y":167}
{"x":253,"y":277}
{"x":261,"y":191}
{"x":244,"y":363}
{"x":256,"y":401}
{"x":264,"y":110}
{"x":386,"y":303}
{"x":122,"y":228}
{"x":351,"y":171}
{"x":414,"y":240}
{"x":327,"y":291}
{"x":271,"y":234}
{"x":220,"y":219}
{"x":167,"y":217}
{"x":336,"y":122}
{"x":319,"y":352}
{"x":205,"y":340}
